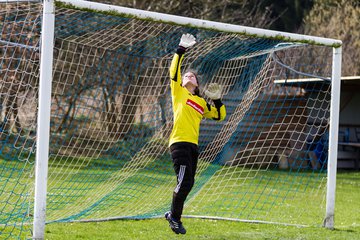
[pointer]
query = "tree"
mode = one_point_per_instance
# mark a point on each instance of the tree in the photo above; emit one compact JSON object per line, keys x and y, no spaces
{"x":241,"y":12}
{"x":19,"y":62}
{"x":288,"y":14}
{"x":339,"y":19}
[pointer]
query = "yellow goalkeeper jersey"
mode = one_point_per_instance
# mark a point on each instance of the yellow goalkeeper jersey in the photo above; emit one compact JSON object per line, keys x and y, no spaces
{"x":189,"y":109}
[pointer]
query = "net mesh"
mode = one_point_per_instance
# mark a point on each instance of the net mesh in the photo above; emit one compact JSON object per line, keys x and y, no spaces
{"x":111,"y":117}
{"x":19,"y":64}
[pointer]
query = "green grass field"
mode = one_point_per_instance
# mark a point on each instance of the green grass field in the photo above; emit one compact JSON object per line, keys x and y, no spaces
{"x":197,"y":229}
{"x":347,"y":224}
{"x":307,"y":204}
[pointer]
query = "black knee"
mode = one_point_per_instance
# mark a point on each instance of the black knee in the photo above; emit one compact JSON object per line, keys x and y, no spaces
{"x":185,"y":188}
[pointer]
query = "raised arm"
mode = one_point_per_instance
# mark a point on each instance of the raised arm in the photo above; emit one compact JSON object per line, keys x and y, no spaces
{"x":218,"y":112}
{"x":186,"y":41}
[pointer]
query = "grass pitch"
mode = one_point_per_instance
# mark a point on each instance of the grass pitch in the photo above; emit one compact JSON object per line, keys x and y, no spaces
{"x":347,"y":224}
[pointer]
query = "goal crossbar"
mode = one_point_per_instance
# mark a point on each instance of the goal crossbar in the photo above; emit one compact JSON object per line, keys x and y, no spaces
{"x":205,"y":24}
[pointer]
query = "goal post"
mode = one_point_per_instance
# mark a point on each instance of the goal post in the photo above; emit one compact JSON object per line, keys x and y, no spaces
{"x":333,"y":138}
{"x":97,"y":149}
{"x":43,"y":120}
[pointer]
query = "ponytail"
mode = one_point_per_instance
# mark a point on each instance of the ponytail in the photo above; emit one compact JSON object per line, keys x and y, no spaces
{"x":197,"y":91}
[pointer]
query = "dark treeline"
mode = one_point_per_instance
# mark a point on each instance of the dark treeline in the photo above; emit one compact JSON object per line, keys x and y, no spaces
{"x":285,"y":15}
{"x":339,"y":19}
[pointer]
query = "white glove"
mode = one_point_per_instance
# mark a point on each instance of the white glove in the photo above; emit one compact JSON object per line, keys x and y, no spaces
{"x":214,"y":91}
{"x":187,"y":40}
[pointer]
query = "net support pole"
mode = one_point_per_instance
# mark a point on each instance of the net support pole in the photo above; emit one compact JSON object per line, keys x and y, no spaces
{"x":333,"y":138}
{"x":43,"y":121}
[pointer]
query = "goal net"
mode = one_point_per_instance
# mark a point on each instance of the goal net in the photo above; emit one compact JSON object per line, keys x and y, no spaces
{"x":111,"y":117}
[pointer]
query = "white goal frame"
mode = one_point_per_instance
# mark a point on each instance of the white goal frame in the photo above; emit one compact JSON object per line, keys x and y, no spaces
{"x":43,"y":127}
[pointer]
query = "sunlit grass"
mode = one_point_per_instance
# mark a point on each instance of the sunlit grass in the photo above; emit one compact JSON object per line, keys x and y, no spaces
{"x":85,"y":192}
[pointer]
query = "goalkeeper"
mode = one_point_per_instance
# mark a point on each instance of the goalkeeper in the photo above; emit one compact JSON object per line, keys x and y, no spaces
{"x":188,"y":108}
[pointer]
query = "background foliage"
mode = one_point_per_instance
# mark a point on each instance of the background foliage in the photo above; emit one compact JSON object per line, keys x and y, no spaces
{"x":339,"y":19}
